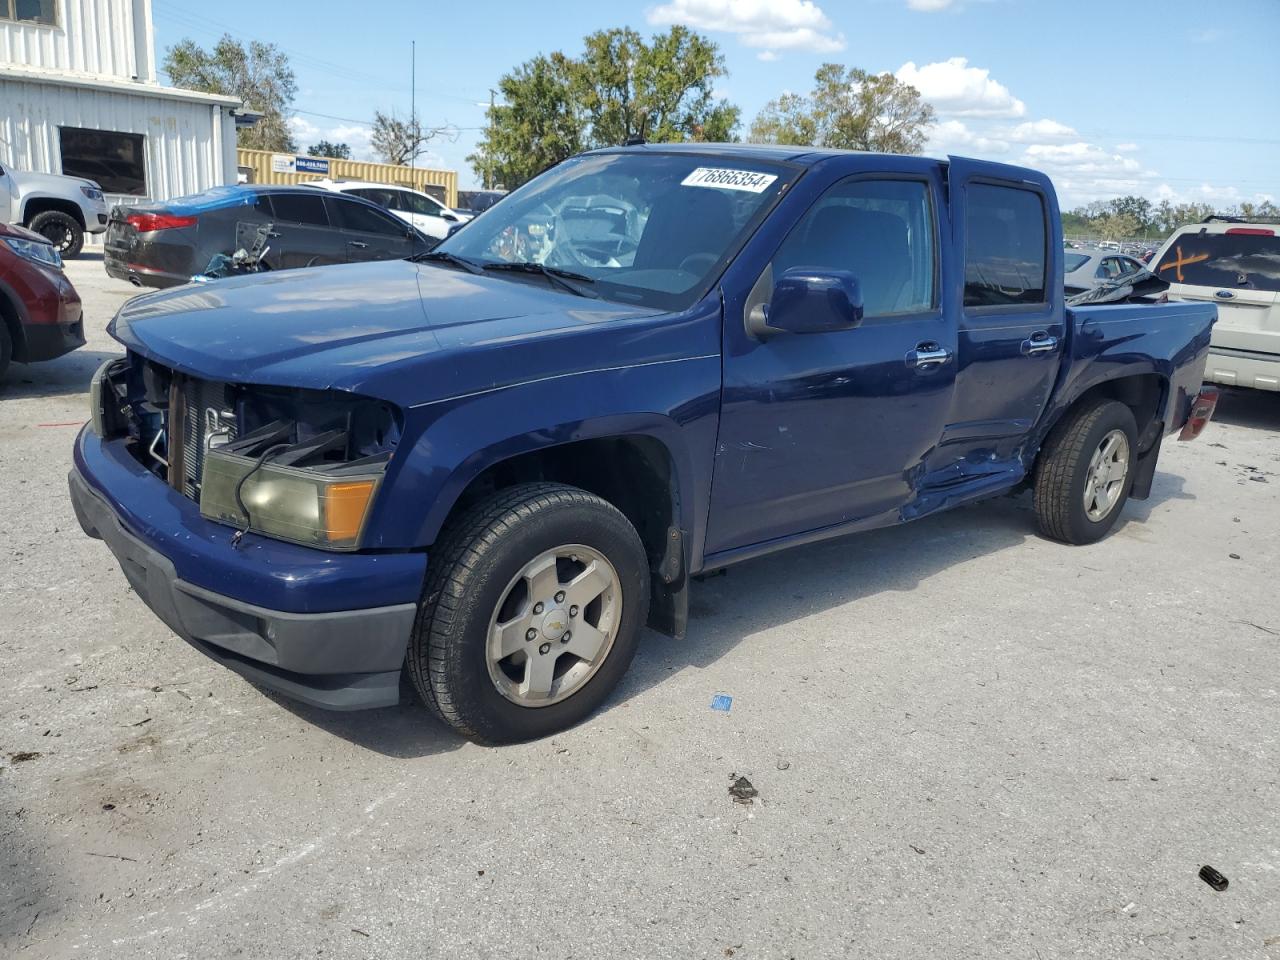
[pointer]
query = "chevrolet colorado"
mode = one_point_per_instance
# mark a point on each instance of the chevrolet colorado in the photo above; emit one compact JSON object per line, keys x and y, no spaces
{"x":494,"y":464}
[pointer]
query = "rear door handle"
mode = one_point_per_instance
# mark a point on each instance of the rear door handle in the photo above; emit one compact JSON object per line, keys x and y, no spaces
{"x":1039,"y":343}
{"x":360,"y":244}
{"x":928,"y":354}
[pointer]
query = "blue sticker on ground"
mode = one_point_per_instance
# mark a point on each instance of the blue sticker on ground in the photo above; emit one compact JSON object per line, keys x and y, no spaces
{"x":721,"y":702}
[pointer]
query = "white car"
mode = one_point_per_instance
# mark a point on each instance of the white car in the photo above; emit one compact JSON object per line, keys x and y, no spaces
{"x":1237,"y":266}
{"x":420,"y":210}
{"x":1084,"y":268}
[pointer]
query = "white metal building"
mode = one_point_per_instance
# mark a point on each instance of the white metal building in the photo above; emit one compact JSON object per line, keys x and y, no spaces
{"x":78,"y":95}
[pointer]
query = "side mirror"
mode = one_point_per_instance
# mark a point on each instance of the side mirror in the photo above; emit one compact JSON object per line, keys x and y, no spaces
{"x":455,"y":228}
{"x":808,"y":300}
{"x":449,"y":216}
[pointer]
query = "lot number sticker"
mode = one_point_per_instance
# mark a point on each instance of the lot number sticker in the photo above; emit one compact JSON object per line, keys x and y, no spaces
{"x":729,"y":179}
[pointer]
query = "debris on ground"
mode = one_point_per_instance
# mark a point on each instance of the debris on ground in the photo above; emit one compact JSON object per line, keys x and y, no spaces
{"x":784,"y":764}
{"x":1234,"y":556}
{"x":721,"y":702}
{"x":742,"y":791}
{"x":23,"y":756}
{"x":1213,"y":878}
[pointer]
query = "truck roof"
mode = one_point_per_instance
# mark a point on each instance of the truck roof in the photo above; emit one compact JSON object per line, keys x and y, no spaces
{"x":787,"y":153}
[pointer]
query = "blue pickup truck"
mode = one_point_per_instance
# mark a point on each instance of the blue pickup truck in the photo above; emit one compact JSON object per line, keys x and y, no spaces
{"x":494,"y":464}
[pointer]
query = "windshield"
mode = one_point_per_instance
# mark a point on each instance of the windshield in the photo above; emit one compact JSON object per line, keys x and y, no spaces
{"x":1249,"y":261}
{"x":648,"y":228}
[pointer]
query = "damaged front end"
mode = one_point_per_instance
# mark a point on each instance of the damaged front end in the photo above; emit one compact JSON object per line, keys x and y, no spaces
{"x":293,"y":464}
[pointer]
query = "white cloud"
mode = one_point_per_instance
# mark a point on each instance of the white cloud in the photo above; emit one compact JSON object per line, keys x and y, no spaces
{"x":768,"y":56}
{"x":1081,"y":157}
{"x":1040,"y":131}
{"x":768,"y":24}
{"x":929,"y":6}
{"x":953,"y":136}
{"x":356,"y":136}
{"x":1220,"y":197}
{"x":1126,"y":148}
{"x":957,"y":89}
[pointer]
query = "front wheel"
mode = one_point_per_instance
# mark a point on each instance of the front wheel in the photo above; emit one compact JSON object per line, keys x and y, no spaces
{"x":534,"y":601}
{"x":1085,"y":471}
{"x":62,"y":230}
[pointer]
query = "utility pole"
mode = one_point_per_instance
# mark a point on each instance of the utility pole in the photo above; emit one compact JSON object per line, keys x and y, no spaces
{"x":413,"y":99}
{"x":488,"y":160}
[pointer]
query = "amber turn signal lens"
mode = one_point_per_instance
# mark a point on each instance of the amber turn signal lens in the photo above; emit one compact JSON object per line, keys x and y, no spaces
{"x":345,"y":505}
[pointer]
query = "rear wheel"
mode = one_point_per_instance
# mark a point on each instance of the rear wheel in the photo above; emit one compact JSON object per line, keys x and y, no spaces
{"x":60,"y":229}
{"x":533,"y":605}
{"x":1085,"y":472}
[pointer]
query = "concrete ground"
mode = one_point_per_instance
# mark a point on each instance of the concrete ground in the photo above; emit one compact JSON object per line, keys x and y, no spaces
{"x":968,"y":743}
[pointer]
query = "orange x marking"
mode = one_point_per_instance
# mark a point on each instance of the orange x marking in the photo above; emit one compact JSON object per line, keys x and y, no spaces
{"x":1183,"y":262}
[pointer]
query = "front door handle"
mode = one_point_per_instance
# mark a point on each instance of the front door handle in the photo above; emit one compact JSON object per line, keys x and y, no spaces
{"x":358,"y":244}
{"x":928,"y":354}
{"x":1039,"y":343}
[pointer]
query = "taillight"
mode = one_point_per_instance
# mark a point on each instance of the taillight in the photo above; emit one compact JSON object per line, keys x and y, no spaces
{"x":1201,"y":413}
{"x":1250,"y":232}
{"x":147,"y":222}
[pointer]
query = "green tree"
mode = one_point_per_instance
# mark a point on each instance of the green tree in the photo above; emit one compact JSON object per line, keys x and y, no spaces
{"x":620,"y":87}
{"x":259,"y":75}
{"x":851,"y":109}
{"x":1117,"y":226}
{"x":334,"y":151}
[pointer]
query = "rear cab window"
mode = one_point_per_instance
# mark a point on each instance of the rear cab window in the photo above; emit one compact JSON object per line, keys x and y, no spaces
{"x":1005,"y":253}
{"x":1233,"y":260}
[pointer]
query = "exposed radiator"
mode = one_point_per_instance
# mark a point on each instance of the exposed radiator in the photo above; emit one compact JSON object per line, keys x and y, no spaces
{"x":207,"y":418}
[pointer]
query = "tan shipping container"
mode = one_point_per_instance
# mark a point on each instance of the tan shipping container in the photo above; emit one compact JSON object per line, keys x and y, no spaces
{"x":441,"y":184}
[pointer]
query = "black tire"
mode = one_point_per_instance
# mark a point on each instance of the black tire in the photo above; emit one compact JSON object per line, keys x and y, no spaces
{"x":1063,"y":466}
{"x":6,"y":347}
{"x":60,"y":229}
{"x":471,"y":567}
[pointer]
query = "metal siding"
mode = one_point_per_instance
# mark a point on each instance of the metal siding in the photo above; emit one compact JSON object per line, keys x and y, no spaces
{"x":388,"y":173}
{"x":183,"y":154}
{"x":92,"y":36}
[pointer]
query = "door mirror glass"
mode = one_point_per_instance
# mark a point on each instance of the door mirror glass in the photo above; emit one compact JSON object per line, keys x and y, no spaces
{"x":808,"y":300}
{"x":449,"y":216}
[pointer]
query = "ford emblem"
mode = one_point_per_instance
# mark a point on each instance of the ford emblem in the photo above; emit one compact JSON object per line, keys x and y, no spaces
{"x":1225,"y":295}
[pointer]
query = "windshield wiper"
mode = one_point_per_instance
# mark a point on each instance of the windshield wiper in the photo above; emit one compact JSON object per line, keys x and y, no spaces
{"x":565,"y":279}
{"x":453,"y":258}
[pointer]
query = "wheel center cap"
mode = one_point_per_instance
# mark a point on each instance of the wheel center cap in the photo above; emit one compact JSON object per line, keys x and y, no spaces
{"x":554,"y":624}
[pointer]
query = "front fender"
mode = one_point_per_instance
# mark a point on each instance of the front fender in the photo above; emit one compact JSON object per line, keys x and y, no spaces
{"x":449,"y":443}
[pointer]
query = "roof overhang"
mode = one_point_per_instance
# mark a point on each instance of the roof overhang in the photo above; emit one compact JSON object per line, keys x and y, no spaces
{"x":127,"y":87}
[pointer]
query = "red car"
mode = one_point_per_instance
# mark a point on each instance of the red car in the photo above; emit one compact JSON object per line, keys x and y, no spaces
{"x":39,"y":308}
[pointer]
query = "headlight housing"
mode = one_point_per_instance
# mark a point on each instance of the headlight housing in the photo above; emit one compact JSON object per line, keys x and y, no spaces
{"x":37,"y":251}
{"x":304,"y":505}
{"x":93,"y":193}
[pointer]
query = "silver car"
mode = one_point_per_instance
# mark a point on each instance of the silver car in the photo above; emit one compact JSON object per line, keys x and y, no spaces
{"x":1087,"y":267}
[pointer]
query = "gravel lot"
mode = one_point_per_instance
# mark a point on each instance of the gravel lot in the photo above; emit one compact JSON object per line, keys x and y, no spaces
{"x":968,"y":742}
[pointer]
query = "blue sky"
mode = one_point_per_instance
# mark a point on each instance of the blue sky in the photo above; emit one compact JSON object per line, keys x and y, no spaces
{"x":1177,"y":99}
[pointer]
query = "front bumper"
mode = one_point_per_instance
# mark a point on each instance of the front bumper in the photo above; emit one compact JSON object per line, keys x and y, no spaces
{"x":312,"y":643}
{"x":46,"y":341}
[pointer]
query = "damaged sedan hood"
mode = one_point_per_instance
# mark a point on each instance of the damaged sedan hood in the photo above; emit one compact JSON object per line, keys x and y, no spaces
{"x":405,"y":332}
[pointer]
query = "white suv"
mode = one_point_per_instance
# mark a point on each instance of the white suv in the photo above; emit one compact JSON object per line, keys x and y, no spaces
{"x":425,"y":212}
{"x":1237,"y":266}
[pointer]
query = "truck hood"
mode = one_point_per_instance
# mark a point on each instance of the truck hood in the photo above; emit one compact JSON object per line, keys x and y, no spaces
{"x":405,"y":332}
{"x":56,"y":184}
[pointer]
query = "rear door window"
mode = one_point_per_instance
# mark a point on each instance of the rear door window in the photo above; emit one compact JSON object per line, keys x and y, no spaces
{"x":352,"y":215}
{"x":1248,"y":261}
{"x":1075,"y":261}
{"x":300,"y":208}
{"x":1005,"y":256}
